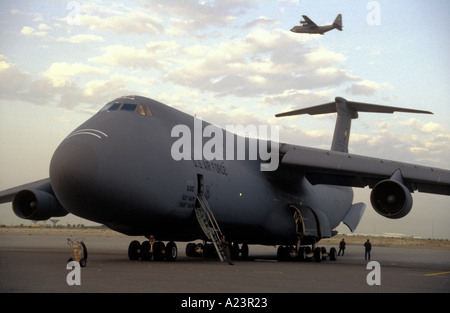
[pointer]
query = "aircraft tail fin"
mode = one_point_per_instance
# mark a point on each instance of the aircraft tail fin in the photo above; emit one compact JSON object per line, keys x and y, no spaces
{"x":346,"y":111}
{"x":338,"y":22}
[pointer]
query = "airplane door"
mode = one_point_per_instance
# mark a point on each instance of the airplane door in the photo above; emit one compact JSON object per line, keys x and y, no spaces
{"x":305,"y":221}
{"x":200,"y":184}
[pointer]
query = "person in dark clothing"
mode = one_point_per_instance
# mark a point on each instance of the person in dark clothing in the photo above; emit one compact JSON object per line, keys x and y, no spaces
{"x":341,"y":247}
{"x":368,"y":247}
{"x":226,"y":249}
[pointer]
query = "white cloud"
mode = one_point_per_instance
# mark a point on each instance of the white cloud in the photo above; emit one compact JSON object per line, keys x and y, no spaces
{"x":428,"y":128}
{"x":61,"y":73}
{"x":322,"y":57}
{"x":155,"y":54}
{"x":81,"y":38}
{"x":300,"y":98}
{"x":121,"y":19}
{"x":431,"y":127}
{"x":261,"y":63}
{"x":364,"y":87}
{"x":260,"y":22}
{"x":30,"y":31}
{"x":44,"y":27}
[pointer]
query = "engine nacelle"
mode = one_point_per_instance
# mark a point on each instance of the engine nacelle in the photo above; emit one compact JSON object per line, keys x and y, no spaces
{"x":37,"y":205}
{"x":391,"y":199}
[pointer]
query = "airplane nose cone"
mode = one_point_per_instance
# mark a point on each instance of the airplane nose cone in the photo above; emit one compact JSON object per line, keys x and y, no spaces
{"x":73,"y":173}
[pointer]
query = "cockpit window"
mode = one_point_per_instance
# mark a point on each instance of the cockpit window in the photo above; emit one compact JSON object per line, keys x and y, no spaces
{"x":130,"y":107}
{"x":114,"y":107}
{"x":147,"y":110}
{"x":141,"y":109}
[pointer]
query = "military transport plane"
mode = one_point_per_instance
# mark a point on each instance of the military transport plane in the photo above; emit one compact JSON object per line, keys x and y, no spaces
{"x":309,"y":27}
{"x":118,"y":169}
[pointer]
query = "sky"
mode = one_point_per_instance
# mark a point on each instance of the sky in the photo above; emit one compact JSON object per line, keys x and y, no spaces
{"x":231,"y":62}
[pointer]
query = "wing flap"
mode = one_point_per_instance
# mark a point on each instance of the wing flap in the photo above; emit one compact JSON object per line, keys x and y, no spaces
{"x":337,"y":168}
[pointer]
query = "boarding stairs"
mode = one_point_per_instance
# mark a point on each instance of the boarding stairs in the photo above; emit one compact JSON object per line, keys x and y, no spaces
{"x":210,"y":226}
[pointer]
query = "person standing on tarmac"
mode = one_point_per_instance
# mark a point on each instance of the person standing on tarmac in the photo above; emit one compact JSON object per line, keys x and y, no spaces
{"x":341,"y":247}
{"x":226,"y":249}
{"x":368,"y":247}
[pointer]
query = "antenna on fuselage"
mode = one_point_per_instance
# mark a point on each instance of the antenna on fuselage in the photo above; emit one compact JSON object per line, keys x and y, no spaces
{"x":346,"y":111}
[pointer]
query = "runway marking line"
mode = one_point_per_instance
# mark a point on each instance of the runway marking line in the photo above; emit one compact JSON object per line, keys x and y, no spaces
{"x":435,"y":274}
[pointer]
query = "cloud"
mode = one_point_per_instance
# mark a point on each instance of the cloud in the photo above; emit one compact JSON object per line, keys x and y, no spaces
{"x":431,"y":127}
{"x":120,"y":19}
{"x":421,"y":127}
{"x":81,"y":38}
{"x":155,"y":54}
{"x":261,"y":21}
{"x":18,"y":85}
{"x":298,"y":98}
{"x":206,"y":14}
{"x":364,"y":87}
{"x":61,"y":73}
{"x":30,"y":31}
{"x":261,"y":63}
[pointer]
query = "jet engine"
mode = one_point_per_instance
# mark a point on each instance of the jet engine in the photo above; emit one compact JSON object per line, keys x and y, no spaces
{"x":391,"y":199}
{"x":37,"y":205}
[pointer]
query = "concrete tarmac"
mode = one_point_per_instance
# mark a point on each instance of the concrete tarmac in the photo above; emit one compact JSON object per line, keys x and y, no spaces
{"x":37,"y":263}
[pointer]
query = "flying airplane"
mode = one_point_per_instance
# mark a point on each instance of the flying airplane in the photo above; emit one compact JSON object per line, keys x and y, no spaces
{"x":309,"y":27}
{"x":126,"y":168}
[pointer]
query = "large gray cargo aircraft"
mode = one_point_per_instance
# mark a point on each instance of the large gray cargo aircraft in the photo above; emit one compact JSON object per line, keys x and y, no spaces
{"x":309,"y":27}
{"x":119,"y":169}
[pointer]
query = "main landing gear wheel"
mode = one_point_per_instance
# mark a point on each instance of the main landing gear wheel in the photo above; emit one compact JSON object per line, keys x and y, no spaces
{"x":134,"y":250}
{"x":171,"y":251}
{"x":305,"y":253}
{"x":149,"y":249}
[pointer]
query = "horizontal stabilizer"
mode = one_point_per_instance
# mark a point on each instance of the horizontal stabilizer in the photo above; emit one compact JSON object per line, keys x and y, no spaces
{"x":346,"y":111}
{"x":332,"y":107}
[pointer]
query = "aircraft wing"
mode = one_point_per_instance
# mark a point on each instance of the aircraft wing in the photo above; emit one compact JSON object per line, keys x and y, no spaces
{"x":339,"y":168}
{"x":8,"y":195}
{"x":309,"y":21}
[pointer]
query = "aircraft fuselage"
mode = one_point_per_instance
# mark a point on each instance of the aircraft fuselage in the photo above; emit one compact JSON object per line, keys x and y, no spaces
{"x":117,"y":169}
{"x":312,"y":30}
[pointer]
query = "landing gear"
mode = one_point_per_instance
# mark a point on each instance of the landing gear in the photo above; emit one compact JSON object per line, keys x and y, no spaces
{"x":208,"y":250}
{"x":151,"y":249}
{"x":305,"y":253}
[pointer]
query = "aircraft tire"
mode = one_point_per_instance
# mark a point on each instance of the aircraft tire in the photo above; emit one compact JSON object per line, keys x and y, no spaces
{"x":302,"y":254}
{"x":318,"y":254}
{"x":190,"y":249}
{"x":324,"y":253}
{"x":159,"y":251}
{"x":283,"y":253}
{"x":134,"y":250}
{"x":85,"y":253}
{"x":83,"y":261}
{"x":333,"y":254}
{"x":171,"y":251}
{"x":244,"y":250}
{"x":146,"y":255}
